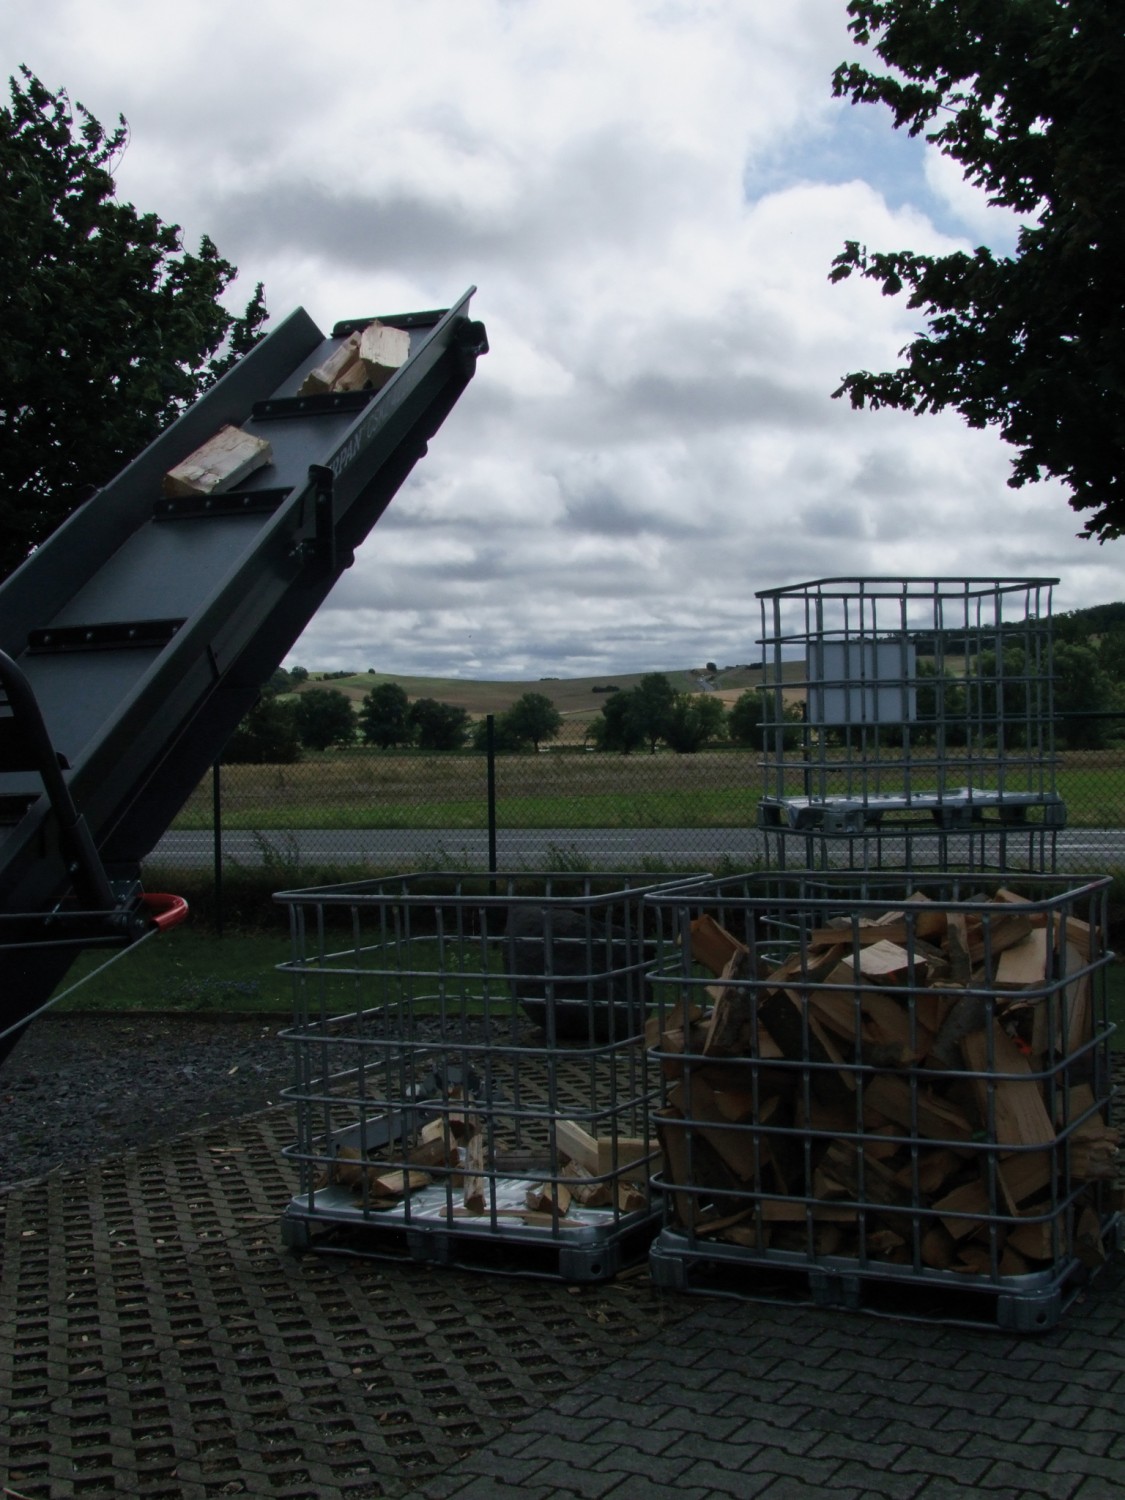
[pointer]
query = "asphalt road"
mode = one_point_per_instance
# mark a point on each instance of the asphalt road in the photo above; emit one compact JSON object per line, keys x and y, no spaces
{"x":537,"y":848}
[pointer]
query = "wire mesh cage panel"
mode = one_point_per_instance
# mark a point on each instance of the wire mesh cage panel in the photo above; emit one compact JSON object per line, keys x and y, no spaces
{"x":914,"y":709}
{"x":472,"y":1084}
{"x":875,"y":1086}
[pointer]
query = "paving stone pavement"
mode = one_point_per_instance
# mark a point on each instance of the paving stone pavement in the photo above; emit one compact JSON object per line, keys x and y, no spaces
{"x":744,"y":1399}
{"x":157,"y":1341}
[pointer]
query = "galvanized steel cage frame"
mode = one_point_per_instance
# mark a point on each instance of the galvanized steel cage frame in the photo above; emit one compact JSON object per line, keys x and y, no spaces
{"x":502,"y":1017}
{"x":926,"y":723}
{"x":735,"y":1217}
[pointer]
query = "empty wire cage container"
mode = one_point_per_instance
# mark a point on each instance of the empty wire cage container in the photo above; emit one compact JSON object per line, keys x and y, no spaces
{"x":472,"y":1083}
{"x":884,"y":1093}
{"x":909,"y":722}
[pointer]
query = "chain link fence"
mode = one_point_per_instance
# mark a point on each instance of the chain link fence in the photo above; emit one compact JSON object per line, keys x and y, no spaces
{"x":372,"y":811}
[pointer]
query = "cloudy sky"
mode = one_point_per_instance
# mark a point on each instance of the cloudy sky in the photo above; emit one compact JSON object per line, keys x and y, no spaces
{"x":648,"y":195}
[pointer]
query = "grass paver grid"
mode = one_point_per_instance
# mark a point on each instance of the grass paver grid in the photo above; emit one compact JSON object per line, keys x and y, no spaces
{"x":151,"y":1327}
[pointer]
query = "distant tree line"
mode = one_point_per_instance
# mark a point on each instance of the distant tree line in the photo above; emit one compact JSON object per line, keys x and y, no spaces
{"x":280,"y":727}
{"x":1088,"y":665}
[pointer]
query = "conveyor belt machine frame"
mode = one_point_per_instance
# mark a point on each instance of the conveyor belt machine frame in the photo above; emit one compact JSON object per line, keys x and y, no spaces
{"x":136,"y":638}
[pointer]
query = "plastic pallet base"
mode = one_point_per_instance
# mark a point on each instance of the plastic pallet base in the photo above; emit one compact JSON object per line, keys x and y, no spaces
{"x":507,"y":1253}
{"x":1026,"y":1305}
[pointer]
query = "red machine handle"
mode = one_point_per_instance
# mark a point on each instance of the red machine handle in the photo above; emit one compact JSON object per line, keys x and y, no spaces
{"x":164,"y":911}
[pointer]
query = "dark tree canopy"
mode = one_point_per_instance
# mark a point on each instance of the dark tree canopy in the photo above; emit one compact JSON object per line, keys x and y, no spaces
{"x":744,"y":722}
{"x":325,"y":718}
{"x":384,"y":717}
{"x":1025,"y":96}
{"x":533,"y":719}
{"x":620,"y":726}
{"x":268,"y":735}
{"x":108,"y":327}
{"x":694,"y":720}
{"x":438,"y":726}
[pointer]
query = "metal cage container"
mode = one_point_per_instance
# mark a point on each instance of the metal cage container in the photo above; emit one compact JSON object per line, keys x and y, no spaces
{"x":472,"y":1083}
{"x":909,"y":722}
{"x":877,"y":1090}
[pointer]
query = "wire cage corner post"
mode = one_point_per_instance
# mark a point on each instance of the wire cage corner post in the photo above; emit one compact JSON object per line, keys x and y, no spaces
{"x":471,"y":1079}
{"x":909,"y":722}
{"x":897,"y":1097}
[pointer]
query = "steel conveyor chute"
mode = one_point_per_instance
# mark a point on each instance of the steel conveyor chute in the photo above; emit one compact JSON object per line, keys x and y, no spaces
{"x":136,"y":638}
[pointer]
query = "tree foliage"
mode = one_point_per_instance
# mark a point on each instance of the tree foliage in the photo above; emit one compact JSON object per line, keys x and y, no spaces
{"x":693,"y":721}
{"x":108,"y":326}
{"x":653,"y":713}
{"x":438,"y":726}
{"x":532,"y":719}
{"x":268,"y":735}
{"x":744,"y":722}
{"x":384,"y":717}
{"x":654,"y":698}
{"x":1025,"y":96}
{"x":616,"y":728}
{"x":505,"y":741}
{"x":325,"y":718}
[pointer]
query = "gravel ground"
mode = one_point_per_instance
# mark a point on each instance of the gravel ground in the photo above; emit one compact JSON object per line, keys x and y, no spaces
{"x":79,"y":1088}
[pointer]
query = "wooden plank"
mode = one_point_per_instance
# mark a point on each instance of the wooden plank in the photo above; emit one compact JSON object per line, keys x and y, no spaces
{"x":744,"y":1150}
{"x":1021,"y":1118}
{"x":936,"y":1166}
{"x":798,"y":1210}
{"x":431,"y":1153}
{"x":839,"y":1174}
{"x":882,"y":961}
{"x":394,"y":1182}
{"x":733,"y":1009}
{"x":924,"y":923}
{"x":472,"y":1165}
{"x":598,"y":1154}
{"x":957,"y":943}
{"x":1024,"y":966}
{"x":1023,"y":1176}
{"x":573,"y":1141}
{"x":225,"y":459}
{"x":323,"y":379}
{"x":937,"y":1119}
{"x":584,"y":1188}
{"x":969,"y":1198}
{"x":712,"y":945}
{"x":997,"y":935}
{"x":551,"y":1198}
{"x":382,"y":350}
{"x":683,"y":1014}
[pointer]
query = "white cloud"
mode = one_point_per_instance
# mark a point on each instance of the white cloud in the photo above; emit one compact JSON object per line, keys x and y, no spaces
{"x":652,"y":437}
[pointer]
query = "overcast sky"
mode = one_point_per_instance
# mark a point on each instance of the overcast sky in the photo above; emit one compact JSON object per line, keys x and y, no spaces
{"x":648,"y":195}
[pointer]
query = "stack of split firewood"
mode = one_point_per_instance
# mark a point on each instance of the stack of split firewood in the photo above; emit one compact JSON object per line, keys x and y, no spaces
{"x":888,"y":1085}
{"x":452,"y":1152}
{"x":366,"y":360}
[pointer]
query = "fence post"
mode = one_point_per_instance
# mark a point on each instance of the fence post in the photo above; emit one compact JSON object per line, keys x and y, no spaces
{"x":490,"y":747}
{"x":217,"y":834}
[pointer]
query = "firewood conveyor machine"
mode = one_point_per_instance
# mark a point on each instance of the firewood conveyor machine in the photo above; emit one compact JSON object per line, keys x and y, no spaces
{"x":137,"y":637}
